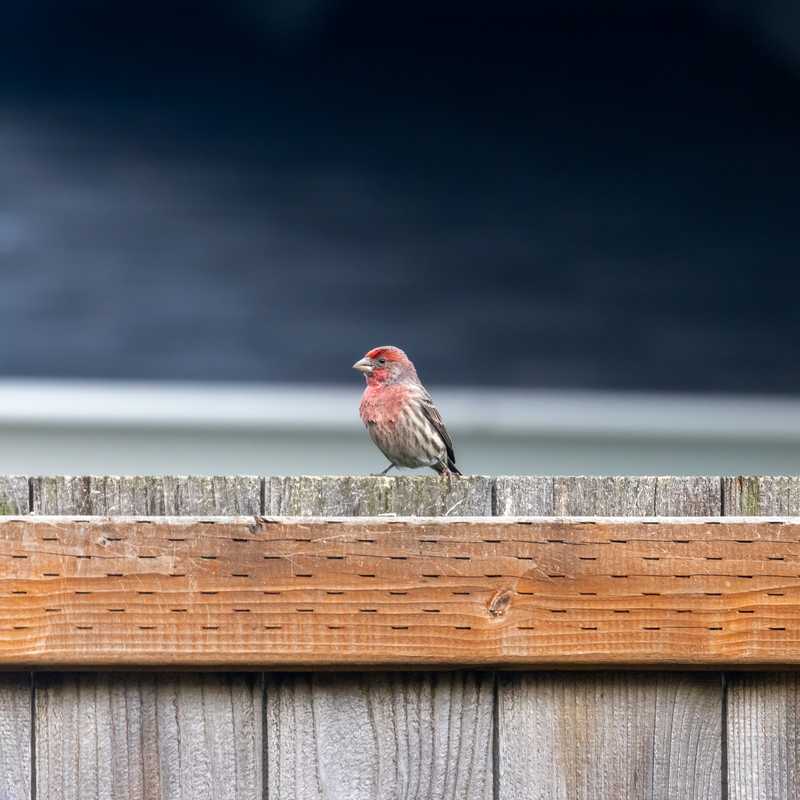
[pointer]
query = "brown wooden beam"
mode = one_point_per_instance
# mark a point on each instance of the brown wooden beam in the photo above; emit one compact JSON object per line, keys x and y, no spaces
{"x":251,"y":592}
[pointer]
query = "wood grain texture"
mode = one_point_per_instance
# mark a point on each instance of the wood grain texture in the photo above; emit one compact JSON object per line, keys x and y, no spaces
{"x":698,"y":496}
{"x":613,"y":497}
{"x":763,"y":710}
{"x":15,"y":688}
{"x":186,"y":737}
{"x":418,"y":736}
{"x":148,"y":736}
{"x":361,"y":496}
{"x":763,"y":736}
{"x":523,"y":495}
{"x":15,"y":736}
{"x":627,"y":735}
{"x":651,"y":736}
{"x":307,"y":592}
{"x":380,"y":736}
{"x":147,"y":495}
{"x":762,"y":496}
{"x":14,"y":494}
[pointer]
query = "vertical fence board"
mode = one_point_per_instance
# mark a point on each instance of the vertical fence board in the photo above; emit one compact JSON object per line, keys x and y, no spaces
{"x":762,"y":496}
{"x":688,"y":497}
{"x":612,"y":497}
{"x":148,"y":737}
{"x":147,"y":495}
{"x":763,"y":720}
{"x":367,"y":495}
{"x":15,"y":688}
{"x":631,"y":735}
{"x":523,"y":495}
{"x":14,"y":495}
{"x":416,"y":736}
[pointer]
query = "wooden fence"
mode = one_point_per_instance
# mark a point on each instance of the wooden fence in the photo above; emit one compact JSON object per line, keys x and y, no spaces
{"x":399,"y":735}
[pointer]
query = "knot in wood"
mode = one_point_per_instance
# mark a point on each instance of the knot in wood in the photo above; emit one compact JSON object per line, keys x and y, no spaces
{"x":500,"y":602}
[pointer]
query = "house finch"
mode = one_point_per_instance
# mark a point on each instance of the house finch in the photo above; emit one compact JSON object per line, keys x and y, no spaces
{"x":400,"y":416}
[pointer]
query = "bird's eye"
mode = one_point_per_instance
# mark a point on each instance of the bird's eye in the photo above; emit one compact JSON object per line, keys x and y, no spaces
{"x":381,"y":360}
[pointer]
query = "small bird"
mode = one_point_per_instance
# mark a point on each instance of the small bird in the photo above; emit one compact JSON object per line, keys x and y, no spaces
{"x":400,"y":415}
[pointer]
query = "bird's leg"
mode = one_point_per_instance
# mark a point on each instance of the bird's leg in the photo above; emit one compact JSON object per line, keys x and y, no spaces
{"x":439,"y":467}
{"x":386,"y":470}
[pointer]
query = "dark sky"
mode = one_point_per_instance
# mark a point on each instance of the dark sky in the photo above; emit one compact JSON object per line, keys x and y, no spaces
{"x":591,"y":197}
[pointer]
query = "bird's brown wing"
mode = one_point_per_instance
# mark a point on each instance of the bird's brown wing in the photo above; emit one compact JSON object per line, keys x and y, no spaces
{"x":435,"y":418}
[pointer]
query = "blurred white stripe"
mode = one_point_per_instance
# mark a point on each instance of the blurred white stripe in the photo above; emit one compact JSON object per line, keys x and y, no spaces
{"x":128,"y":405}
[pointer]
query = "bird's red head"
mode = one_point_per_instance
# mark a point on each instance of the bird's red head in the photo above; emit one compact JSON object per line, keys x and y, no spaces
{"x":386,"y":364}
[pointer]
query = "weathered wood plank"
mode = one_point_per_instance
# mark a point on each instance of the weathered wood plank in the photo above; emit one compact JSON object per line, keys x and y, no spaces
{"x":417,"y":736}
{"x":15,"y":736}
{"x":147,"y":495}
{"x":628,"y":735}
{"x":763,"y":736}
{"x":372,"y":496}
{"x":148,"y":736}
{"x":141,"y":737}
{"x":304,"y":592}
{"x":408,"y":735}
{"x":762,"y":496}
{"x":763,"y":710}
{"x":523,"y":495}
{"x":15,"y":688}
{"x":14,"y":495}
{"x":613,"y":497}
{"x":698,"y":496}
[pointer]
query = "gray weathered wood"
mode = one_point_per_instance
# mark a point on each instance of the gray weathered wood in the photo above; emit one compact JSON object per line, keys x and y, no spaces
{"x":415,"y":736}
{"x":688,"y":497}
{"x":149,"y":495}
{"x":762,"y":496}
{"x":418,"y":736}
{"x":366,"y":495}
{"x":530,"y":495}
{"x":15,"y":688}
{"x":613,"y":497}
{"x":626,"y":735}
{"x":148,"y":736}
{"x":763,"y":736}
{"x":187,"y":737}
{"x":15,"y":736}
{"x":653,"y":736}
{"x":763,"y":718}
{"x":13,"y":495}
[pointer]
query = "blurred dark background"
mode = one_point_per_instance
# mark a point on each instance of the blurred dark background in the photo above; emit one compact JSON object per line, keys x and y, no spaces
{"x":550,"y":194}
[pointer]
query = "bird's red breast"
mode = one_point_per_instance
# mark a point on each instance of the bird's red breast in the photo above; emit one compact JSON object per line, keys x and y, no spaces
{"x":382,"y":405}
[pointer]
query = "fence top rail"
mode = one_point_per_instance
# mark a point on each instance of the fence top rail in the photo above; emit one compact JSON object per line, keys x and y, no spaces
{"x":256,"y":592}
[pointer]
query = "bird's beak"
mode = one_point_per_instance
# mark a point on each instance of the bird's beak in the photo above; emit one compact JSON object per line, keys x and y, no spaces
{"x":364,"y":365}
